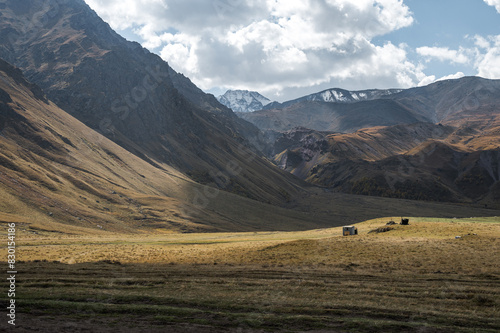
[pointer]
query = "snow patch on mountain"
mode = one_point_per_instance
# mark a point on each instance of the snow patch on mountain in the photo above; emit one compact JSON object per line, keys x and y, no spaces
{"x":243,"y":100}
{"x":337,"y":95}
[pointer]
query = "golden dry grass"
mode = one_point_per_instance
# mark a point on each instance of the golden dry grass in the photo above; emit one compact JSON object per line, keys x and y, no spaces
{"x":416,"y":278}
{"x":426,"y":245}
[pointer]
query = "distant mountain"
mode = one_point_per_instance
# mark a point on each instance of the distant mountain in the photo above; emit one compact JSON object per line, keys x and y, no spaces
{"x":343,"y":111}
{"x":334,"y":117}
{"x":243,"y":100}
{"x":438,"y":142}
{"x":337,"y":95}
{"x":452,"y":101}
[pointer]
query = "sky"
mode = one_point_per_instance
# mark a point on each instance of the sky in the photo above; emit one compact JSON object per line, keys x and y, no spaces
{"x":286,"y":49}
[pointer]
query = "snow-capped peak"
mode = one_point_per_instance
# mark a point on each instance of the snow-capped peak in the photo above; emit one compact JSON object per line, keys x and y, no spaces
{"x":243,"y":100}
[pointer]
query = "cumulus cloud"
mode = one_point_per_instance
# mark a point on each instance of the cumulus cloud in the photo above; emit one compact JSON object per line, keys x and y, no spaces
{"x":455,"y":76}
{"x":444,"y":54}
{"x":432,"y":78}
{"x":488,"y":56}
{"x":271,"y":45}
{"x":495,"y":3}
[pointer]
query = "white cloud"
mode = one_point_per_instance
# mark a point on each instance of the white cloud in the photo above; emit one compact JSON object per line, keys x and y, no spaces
{"x":495,"y":3}
{"x":127,"y":13}
{"x":432,"y":78}
{"x":427,"y":80}
{"x":483,"y":56}
{"x":481,"y":42}
{"x":270,"y":45}
{"x":444,"y":54}
{"x":488,"y":57}
{"x":455,"y":76}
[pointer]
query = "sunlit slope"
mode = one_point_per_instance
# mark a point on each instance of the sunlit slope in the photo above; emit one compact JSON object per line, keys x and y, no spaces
{"x":57,"y":174}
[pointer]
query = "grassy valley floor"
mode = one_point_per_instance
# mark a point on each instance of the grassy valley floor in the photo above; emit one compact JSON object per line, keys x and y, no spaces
{"x":416,"y":278}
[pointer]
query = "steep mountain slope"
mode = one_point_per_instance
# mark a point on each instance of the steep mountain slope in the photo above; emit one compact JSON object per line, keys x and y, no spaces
{"x":58,"y":175}
{"x":243,"y":100}
{"x":134,"y":98}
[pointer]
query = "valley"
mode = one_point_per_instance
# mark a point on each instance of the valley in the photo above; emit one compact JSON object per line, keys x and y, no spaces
{"x":59,"y":176}
{"x":143,"y":204}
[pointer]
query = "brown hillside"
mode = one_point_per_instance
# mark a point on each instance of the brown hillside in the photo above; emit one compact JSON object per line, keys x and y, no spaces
{"x":420,"y":161}
{"x":56,"y":174}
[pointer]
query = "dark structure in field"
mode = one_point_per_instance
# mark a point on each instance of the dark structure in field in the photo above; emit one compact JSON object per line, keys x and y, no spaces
{"x":349,"y":231}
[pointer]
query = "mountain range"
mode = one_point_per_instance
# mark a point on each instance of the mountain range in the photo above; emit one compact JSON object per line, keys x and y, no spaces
{"x":446,"y":134}
{"x":59,"y":176}
{"x":337,"y":95}
{"x":441,"y":102}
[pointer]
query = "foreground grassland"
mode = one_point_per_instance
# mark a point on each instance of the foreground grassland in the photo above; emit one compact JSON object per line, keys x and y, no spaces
{"x":416,"y":278}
